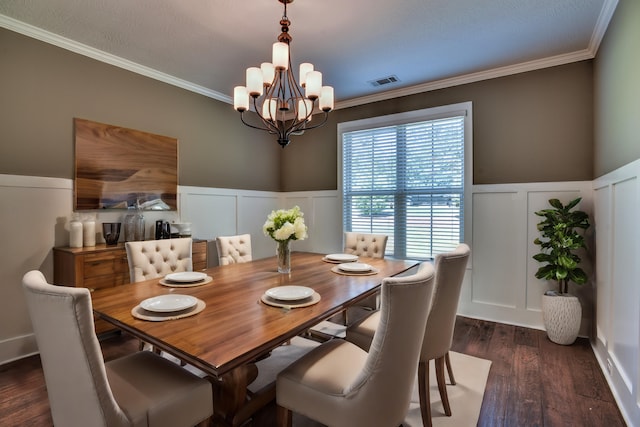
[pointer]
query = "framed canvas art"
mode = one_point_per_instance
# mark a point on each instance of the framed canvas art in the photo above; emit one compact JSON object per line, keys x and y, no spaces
{"x":117,"y":168}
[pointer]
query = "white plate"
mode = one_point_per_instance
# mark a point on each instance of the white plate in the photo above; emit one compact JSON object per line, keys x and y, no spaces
{"x":342,"y":257}
{"x":356,"y":267}
{"x":168,"y":303}
{"x":289,"y":293}
{"x":186,"y":276}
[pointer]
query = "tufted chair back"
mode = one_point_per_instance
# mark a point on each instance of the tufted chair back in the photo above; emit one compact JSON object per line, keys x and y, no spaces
{"x":450,"y":269}
{"x":140,"y":389}
{"x":156,"y":258}
{"x":339,"y":384}
{"x":368,"y":245}
{"x":233,"y":249}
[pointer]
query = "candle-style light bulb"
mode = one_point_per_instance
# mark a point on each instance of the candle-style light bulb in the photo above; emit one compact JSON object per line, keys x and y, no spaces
{"x":240,"y":98}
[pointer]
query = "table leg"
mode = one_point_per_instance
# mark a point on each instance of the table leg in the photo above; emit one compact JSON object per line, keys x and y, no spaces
{"x":230,"y":395}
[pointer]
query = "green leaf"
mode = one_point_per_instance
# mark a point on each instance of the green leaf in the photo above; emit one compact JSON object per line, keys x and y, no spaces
{"x":546,"y":272}
{"x":561,"y":273}
{"x":578,"y":276}
{"x":542,"y":257}
{"x":573,"y":203}
{"x":556,"y":203}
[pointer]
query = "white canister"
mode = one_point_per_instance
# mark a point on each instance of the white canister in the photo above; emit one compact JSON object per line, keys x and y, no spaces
{"x":89,"y":232}
{"x":75,"y":233}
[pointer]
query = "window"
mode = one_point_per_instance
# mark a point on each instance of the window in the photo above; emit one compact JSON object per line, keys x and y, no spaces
{"x":404,"y":176}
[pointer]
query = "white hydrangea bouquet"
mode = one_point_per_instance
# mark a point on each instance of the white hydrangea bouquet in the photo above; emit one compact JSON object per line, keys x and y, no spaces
{"x":283,"y":226}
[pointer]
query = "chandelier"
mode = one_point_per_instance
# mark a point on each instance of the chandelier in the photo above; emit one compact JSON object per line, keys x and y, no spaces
{"x":276,"y":96}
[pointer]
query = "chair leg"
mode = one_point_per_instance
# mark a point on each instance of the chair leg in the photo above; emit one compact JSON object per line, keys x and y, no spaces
{"x":442,"y":385}
{"x":449,"y":369}
{"x":423,"y":388}
{"x":283,"y":416}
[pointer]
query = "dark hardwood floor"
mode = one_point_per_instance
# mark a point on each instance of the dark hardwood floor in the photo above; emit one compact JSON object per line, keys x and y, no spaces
{"x":532,"y":381}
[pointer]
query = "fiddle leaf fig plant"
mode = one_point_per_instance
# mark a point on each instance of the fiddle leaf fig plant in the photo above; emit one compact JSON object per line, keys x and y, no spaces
{"x":558,"y":241}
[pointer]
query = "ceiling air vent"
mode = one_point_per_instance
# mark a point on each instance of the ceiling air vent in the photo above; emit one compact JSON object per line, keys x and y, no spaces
{"x":384,"y":81}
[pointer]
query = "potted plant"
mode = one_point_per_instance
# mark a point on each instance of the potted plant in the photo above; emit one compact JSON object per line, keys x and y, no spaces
{"x":558,"y":243}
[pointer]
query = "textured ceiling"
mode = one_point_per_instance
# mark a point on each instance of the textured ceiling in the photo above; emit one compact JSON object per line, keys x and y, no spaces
{"x":205,"y":45}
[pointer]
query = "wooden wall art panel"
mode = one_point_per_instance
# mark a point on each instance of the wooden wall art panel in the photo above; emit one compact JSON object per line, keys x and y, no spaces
{"x":116,"y":167}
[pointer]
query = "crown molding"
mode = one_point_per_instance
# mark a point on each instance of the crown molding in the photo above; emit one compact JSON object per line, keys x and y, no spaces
{"x":606,"y":13}
{"x":469,"y":78}
{"x":82,"y":49}
{"x":604,"y":18}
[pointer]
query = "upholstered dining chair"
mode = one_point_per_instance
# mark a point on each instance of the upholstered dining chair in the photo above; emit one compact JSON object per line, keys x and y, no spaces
{"x":233,"y":249}
{"x":140,"y":389}
{"x":367,"y":245}
{"x":340,"y":384}
{"x":363,"y":244}
{"x":150,"y":259}
{"x":438,"y":335}
{"x":360,"y":244}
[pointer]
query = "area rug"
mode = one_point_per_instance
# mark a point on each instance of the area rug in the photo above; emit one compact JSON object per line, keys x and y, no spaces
{"x":465,"y":397}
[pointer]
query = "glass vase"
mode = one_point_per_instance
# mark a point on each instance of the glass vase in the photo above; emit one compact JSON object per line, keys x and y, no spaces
{"x":283,"y":253}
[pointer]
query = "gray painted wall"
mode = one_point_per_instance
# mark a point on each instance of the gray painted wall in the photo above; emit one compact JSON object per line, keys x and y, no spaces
{"x":530,"y":127}
{"x":44,"y":87}
{"x":617,"y":91}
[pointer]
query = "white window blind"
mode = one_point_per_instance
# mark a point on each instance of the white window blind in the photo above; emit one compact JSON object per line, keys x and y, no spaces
{"x":407,"y":181}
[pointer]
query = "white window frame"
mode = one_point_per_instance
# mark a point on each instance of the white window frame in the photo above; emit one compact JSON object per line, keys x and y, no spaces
{"x":464,"y":108}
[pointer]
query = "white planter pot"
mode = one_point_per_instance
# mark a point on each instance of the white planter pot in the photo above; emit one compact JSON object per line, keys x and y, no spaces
{"x":562,"y":315}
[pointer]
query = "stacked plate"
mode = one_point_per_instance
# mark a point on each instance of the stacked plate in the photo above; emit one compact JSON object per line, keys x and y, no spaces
{"x":290,"y":296}
{"x":289,"y":293}
{"x":169,"y":303}
{"x":340,"y":258}
{"x":355,"y":267}
{"x":185,"y":278}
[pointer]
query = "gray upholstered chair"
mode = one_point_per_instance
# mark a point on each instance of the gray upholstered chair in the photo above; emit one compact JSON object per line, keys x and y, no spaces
{"x":339,"y":384}
{"x":438,"y":335}
{"x":233,"y":249}
{"x":141,"y":389}
{"x":363,"y":244}
{"x":150,"y":259}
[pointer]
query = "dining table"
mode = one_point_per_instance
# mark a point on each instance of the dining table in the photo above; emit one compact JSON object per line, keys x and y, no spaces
{"x":234,"y":326}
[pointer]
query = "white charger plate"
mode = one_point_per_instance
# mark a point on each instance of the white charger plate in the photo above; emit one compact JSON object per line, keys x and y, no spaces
{"x":342,"y":257}
{"x":169,"y":303}
{"x":289,"y":293}
{"x":186,"y":276}
{"x":355,"y":267}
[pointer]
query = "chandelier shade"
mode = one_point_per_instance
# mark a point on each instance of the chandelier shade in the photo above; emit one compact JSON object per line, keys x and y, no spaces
{"x":283,"y":105}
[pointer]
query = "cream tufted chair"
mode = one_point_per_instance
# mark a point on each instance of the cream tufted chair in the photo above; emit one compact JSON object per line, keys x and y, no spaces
{"x":233,"y":249}
{"x":156,"y":258}
{"x":339,"y":384}
{"x":438,"y":335}
{"x":140,"y":389}
{"x":361,"y":244}
{"x":369,"y":245}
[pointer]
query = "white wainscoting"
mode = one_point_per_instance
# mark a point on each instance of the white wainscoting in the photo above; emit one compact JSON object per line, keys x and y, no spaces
{"x":222,"y":212}
{"x":35,"y":212}
{"x":617,"y":332}
{"x":501,"y":284}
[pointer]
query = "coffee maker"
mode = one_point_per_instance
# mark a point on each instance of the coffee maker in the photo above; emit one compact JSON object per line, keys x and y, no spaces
{"x":163,"y":230}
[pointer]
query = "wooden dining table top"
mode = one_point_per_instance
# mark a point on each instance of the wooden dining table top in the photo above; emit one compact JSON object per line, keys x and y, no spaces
{"x":235,"y":327}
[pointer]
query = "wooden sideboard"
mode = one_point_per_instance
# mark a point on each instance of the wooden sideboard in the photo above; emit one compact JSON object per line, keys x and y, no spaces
{"x":103,"y":266}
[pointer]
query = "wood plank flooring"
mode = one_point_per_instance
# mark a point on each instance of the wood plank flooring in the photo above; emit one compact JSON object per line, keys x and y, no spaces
{"x":532,"y":381}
